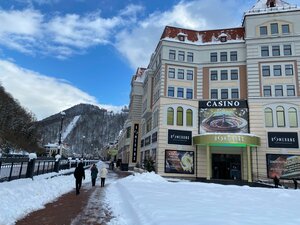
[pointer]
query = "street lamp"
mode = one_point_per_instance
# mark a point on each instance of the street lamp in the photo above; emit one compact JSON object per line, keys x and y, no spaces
{"x":83,"y":137}
{"x":62,"y":114}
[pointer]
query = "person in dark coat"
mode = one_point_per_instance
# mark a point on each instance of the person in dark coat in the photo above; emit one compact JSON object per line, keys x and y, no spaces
{"x":94,"y":172}
{"x":79,"y":174}
{"x":295,"y":183}
{"x":276,"y":181}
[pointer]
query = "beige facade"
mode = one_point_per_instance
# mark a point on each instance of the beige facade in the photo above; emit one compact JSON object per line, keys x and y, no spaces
{"x":223,"y":104}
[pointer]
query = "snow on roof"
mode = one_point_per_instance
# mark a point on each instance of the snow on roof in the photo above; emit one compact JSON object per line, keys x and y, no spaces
{"x":263,"y":6}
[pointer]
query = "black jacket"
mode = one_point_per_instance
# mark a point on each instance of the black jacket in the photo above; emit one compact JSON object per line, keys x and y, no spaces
{"x":79,"y":172}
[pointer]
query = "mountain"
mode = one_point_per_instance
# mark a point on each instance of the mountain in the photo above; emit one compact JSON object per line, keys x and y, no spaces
{"x":85,"y":128}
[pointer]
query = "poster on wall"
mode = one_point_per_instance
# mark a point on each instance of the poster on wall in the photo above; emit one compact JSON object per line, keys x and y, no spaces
{"x":135,"y":142}
{"x":283,"y":140}
{"x":180,"y":137}
{"x":283,"y":166}
{"x":179,"y":162}
{"x":223,"y":116}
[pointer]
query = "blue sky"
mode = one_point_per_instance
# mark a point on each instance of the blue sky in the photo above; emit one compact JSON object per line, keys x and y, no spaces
{"x":58,"y":53}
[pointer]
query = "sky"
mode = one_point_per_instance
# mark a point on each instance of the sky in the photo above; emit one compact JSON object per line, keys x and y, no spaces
{"x":149,"y":199}
{"x":55,"y":54}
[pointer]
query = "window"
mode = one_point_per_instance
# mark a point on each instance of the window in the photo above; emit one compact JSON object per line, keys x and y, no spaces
{"x":280,"y":116}
{"x":224,"y":94}
{"x":290,"y":90}
{"x":148,"y":125}
{"x":189,"y":75}
{"x":293,"y":121}
{"x":128,"y":132}
{"x":269,"y":117}
{"x":267,"y":91}
{"x":224,"y":75}
{"x":274,"y":28}
{"x":181,"y":55}
{"x":277,"y":70}
{"x":171,"y":91}
{"x":266,"y":71}
{"x":171,"y":73}
{"x":190,"y":57}
{"x":189,"y":117}
{"x":223,"y":39}
{"x":180,"y":92}
{"x":233,"y":56}
{"x":263,"y":30}
{"x":264,"y":50}
{"x":287,"y":49}
{"x":172,"y":54}
{"x":278,"y":90}
{"x":170,"y":116}
{"x":285,"y":28}
{"x":223,"y":56}
{"x":276,"y":50}
{"x":214,"y":93}
{"x":179,"y":116}
{"x":213,"y":57}
{"x":289,"y":71}
{"x":234,"y":93}
{"x":234,"y":75}
{"x":213,"y":75}
{"x":180,"y":74}
{"x":189,"y":93}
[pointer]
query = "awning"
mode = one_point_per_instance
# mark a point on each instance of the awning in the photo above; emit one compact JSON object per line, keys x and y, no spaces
{"x":227,"y":139}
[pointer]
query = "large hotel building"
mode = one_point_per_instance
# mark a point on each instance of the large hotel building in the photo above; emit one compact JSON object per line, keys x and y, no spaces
{"x":220,"y":104}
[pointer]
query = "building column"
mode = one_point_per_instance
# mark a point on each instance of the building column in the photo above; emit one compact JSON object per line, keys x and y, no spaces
{"x":249,"y":170}
{"x":208,"y":163}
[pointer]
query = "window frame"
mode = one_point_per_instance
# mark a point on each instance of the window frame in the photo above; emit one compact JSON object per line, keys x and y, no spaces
{"x":214,"y":75}
{"x":266,"y":71}
{"x":180,"y":74}
{"x":171,"y":90}
{"x":213,"y":57}
{"x":274,"y":28}
{"x":265,"y":51}
{"x":171,"y":70}
{"x":180,"y":91}
{"x":190,"y":57}
{"x":223,"y":57}
{"x":190,"y":75}
{"x":172,"y":54}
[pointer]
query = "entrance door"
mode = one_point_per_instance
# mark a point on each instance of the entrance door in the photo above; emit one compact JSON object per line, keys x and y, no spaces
{"x":226,"y":166}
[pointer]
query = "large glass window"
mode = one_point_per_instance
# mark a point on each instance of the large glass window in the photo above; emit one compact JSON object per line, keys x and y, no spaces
{"x":289,"y":71}
{"x":190,"y":57}
{"x":180,"y":74}
{"x":179,"y":116}
{"x":267,"y":91}
{"x":189,"y":75}
{"x":234,"y":93}
{"x":280,"y":116}
{"x":233,"y":56}
{"x":189,"y":93}
{"x":285,"y":28}
{"x":263,"y":30}
{"x":214,"y":93}
{"x":172,"y":54}
{"x":266,"y":71}
{"x":170,"y":119}
{"x":276,"y":50}
{"x":171,"y":91}
{"x":180,"y":92}
{"x":287,"y":49}
{"x":181,"y":55}
{"x":214,"y":57}
{"x":189,"y":117}
{"x":213,"y":75}
{"x":224,"y":93}
{"x":277,"y":70}
{"x":278,"y":90}
{"x":234,"y":75}
{"x":223,"y":56}
{"x":224,"y":75}
{"x":290,"y":90}
{"x":274,"y":28}
{"x":264,"y":50}
{"x":269,"y":117}
{"x":293,"y":119}
{"x":171,"y":73}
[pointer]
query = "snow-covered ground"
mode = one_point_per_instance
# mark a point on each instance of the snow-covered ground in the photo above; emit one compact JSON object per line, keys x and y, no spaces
{"x":148,"y":199}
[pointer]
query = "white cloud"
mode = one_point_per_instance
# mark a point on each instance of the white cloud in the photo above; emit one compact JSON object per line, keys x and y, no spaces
{"x":43,"y":95}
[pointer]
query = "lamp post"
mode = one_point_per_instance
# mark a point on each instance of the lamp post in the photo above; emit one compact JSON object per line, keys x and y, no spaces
{"x":83,"y":137}
{"x":62,"y":114}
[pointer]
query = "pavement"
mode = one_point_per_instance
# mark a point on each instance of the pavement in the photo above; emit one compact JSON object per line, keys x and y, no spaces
{"x":87,"y":208}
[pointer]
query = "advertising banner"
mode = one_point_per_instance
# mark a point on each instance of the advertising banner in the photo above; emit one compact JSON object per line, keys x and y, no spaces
{"x":179,"y":137}
{"x":283,"y":166}
{"x":179,"y":162}
{"x":283,"y":140}
{"x":135,"y":142}
{"x":223,"y":116}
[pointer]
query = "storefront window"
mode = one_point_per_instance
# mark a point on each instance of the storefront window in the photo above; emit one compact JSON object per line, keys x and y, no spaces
{"x":179,"y":116}
{"x":189,"y":117}
{"x":293,"y":117}
{"x":269,"y":117}
{"x":170,"y":120}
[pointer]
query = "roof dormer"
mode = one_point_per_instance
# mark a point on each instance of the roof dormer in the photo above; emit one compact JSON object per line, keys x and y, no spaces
{"x":181,"y":36}
{"x":271,"y":3}
{"x":223,"y":37}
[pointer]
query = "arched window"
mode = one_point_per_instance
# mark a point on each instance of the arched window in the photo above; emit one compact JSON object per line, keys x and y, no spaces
{"x":179,"y":116}
{"x":280,"y":116}
{"x":170,"y":117}
{"x":293,"y":120}
{"x":269,"y":117}
{"x":189,"y":117}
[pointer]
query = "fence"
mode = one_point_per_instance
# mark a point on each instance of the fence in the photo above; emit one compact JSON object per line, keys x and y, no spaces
{"x":16,"y":168}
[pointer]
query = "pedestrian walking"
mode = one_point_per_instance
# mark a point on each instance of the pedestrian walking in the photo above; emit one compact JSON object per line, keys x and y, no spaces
{"x":79,"y":174}
{"x":94,"y":172}
{"x":276,"y":181}
{"x":103,"y":173}
{"x":295,"y":183}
